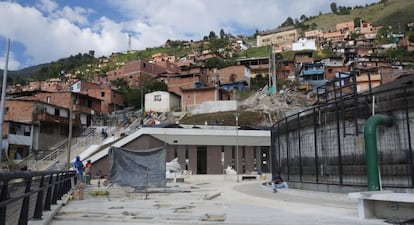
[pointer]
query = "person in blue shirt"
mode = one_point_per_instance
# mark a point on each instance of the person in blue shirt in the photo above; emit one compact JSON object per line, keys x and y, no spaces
{"x":78,"y":164}
{"x":278,"y":182}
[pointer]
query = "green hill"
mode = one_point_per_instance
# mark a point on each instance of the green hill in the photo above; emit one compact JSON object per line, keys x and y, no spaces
{"x":395,"y":13}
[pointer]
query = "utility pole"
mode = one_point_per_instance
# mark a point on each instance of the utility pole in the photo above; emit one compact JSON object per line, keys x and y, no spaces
{"x":237,"y":114}
{"x":69,"y":146}
{"x":3,"y":98}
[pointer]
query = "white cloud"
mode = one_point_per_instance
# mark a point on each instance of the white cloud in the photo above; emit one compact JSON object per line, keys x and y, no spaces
{"x":50,"y":30}
{"x":47,"y":6}
{"x":12,"y":63}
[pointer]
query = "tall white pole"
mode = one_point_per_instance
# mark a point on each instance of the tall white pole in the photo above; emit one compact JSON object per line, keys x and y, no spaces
{"x":237,"y":146}
{"x":3,"y":98}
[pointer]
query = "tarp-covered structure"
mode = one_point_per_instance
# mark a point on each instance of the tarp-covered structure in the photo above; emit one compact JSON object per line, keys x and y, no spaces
{"x":139,"y":169}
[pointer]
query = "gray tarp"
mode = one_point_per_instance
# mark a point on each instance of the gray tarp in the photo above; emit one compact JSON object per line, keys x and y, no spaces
{"x":138,"y":169}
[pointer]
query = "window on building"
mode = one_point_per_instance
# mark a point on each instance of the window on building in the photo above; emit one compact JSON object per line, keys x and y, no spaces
{"x":19,"y":129}
{"x":26,"y":130}
{"x":56,"y":112}
{"x":102,"y":94}
{"x":157,"y":98}
{"x":48,"y":99}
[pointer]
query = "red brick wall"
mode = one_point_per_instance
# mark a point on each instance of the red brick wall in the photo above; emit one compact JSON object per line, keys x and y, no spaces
{"x":19,"y":111}
{"x":330,"y":71}
{"x":191,"y":98}
{"x":175,"y":84}
{"x":225,"y":74}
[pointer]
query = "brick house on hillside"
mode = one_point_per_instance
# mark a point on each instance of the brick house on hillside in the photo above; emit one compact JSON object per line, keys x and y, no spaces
{"x":407,"y":44}
{"x":192,"y":97}
{"x":134,"y":72}
{"x":277,"y":36}
{"x":178,"y":82}
{"x":112,"y":100}
{"x":302,"y":57}
{"x":33,"y":126}
{"x":231,"y":77}
{"x":84,"y":106}
{"x":163,"y":57}
{"x":256,"y":65}
{"x":285,"y":69}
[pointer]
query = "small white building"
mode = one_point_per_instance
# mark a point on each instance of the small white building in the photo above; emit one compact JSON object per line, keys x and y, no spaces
{"x":304,"y":44}
{"x":161,"y":101}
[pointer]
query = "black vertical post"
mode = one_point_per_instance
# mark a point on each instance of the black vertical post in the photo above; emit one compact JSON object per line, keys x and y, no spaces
{"x":300,"y":150}
{"x":55,"y":190}
{"x":66,"y":184}
{"x":315,"y":140}
{"x":3,"y":197}
{"x":341,"y":99}
{"x":354,"y":83}
{"x":410,"y":147}
{"x":278,"y":145}
{"x":24,"y":211}
{"x":61,"y":185}
{"x":39,"y":200}
{"x":287,"y":148}
{"x":273,"y":149}
{"x":338,"y":137}
{"x":48,"y":199}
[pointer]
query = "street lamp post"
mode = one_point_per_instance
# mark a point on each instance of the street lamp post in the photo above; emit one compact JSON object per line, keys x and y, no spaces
{"x":237,"y":146}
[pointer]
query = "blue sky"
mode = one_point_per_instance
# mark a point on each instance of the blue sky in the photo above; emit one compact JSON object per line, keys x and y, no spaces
{"x":43,"y":31}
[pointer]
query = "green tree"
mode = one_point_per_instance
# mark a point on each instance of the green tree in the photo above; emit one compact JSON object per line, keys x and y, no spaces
{"x":256,"y":33}
{"x":155,"y":85}
{"x":222,"y":34}
{"x":212,"y":35}
{"x":303,"y":18}
{"x":288,"y":22}
{"x":357,"y":21}
{"x":334,"y":8}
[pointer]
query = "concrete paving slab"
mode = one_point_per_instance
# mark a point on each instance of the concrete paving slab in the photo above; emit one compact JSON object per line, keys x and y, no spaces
{"x":234,"y":203}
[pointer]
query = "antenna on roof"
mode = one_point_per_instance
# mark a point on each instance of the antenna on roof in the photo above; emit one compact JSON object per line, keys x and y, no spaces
{"x":129,"y":42}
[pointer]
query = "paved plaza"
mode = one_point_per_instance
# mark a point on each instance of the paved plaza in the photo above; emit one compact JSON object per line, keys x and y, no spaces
{"x":207,"y":202}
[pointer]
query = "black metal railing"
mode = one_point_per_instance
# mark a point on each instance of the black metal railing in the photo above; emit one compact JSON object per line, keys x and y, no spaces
{"x":325,"y":144}
{"x":26,"y":195}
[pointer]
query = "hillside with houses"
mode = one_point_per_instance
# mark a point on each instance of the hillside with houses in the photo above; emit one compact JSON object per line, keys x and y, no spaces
{"x":208,"y":83}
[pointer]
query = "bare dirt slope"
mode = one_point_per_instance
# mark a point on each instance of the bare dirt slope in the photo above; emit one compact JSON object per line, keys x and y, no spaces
{"x":259,"y":110}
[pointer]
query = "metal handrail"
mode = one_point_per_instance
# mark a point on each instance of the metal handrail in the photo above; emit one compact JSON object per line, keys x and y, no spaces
{"x":23,"y":191}
{"x":60,"y":153}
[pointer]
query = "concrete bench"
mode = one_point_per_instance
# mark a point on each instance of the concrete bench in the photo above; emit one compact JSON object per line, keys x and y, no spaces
{"x":172,"y":179}
{"x":249,"y":177}
{"x":384,"y":204}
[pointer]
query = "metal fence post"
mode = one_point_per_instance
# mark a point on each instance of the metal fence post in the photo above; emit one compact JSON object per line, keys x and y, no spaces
{"x":3,"y":197}
{"x":24,"y":212}
{"x":48,"y":199}
{"x":39,"y":200}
